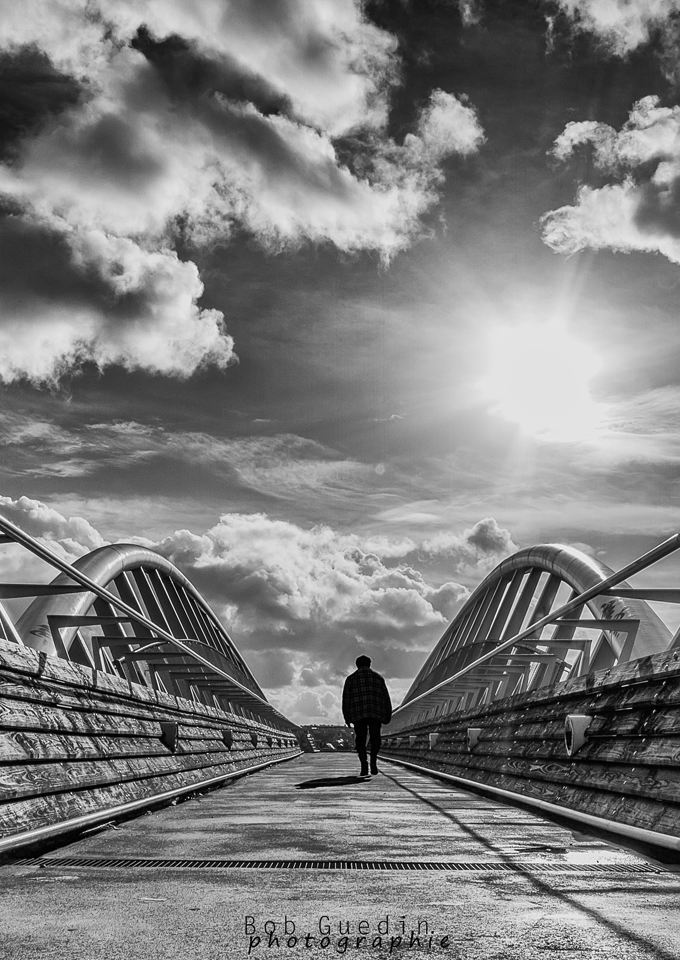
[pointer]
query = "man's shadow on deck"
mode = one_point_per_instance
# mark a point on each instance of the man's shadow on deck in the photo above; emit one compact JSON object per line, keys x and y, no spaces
{"x":330,"y":782}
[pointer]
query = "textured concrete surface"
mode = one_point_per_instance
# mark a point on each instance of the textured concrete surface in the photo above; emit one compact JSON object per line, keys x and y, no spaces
{"x":314,"y":808}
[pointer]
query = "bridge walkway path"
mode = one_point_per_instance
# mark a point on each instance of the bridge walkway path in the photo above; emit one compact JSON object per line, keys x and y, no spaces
{"x":499,"y":882}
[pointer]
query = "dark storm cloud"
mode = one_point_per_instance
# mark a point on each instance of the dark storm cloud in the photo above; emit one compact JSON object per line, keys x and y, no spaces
{"x":113,"y":151}
{"x":273,"y":669}
{"x":309,"y":678}
{"x":36,"y":263}
{"x":33,"y":91}
{"x":658,"y":209}
{"x":189,"y":75}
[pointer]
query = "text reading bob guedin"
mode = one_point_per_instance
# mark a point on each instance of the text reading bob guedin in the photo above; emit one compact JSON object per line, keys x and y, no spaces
{"x":340,"y":935}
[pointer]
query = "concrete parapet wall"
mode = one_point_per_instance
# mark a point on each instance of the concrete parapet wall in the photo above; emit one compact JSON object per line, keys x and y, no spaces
{"x":75,"y":741}
{"x":626,"y":770}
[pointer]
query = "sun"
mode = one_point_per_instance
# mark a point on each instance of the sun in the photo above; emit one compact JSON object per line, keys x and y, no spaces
{"x":538,"y":376}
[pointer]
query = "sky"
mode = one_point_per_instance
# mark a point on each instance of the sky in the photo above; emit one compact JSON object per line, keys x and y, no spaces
{"x":338,"y":304}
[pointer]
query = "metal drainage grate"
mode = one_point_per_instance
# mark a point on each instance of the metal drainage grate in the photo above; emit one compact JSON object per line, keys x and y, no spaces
{"x":533,"y":866}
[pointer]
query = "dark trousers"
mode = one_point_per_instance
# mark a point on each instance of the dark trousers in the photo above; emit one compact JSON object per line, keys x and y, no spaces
{"x":361,"y":728}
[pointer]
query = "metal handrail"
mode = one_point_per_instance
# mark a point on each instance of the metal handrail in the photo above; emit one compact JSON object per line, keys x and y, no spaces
{"x":647,"y":559}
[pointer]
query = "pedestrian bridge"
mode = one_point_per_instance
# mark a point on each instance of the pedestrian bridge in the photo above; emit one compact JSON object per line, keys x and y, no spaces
{"x":305,"y":860}
{"x":541,"y":734}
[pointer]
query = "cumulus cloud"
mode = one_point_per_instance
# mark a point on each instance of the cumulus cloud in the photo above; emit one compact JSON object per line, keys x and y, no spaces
{"x":638,"y":210}
{"x":74,"y":534}
{"x":311,"y":600}
{"x":298,"y":594}
{"x":621,"y":25}
{"x":115,"y":303}
{"x":447,"y":125}
{"x":165,"y":121}
{"x":310,"y":707}
{"x":324,"y":57}
{"x":481,"y":547}
{"x":69,"y":537}
{"x":308,"y":577}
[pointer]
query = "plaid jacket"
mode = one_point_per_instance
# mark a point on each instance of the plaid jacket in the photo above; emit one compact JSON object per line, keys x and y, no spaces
{"x":365,"y":697}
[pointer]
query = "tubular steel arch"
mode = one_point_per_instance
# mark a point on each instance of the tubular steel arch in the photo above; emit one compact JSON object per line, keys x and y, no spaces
{"x":127,"y":611}
{"x":586,"y":618}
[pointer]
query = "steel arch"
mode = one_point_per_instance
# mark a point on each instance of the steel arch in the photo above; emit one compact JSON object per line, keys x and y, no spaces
{"x":144,"y":621}
{"x":608,"y":628}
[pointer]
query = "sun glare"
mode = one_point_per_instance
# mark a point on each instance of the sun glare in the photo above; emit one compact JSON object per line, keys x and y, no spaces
{"x":539,"y":377}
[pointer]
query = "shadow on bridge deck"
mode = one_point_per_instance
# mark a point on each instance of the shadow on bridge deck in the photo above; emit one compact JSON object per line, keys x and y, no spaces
{"x":308,"y":842}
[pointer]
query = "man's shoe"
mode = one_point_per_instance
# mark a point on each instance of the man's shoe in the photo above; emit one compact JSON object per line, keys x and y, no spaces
{"x":374,"y":768}
{"x":364,"y":771}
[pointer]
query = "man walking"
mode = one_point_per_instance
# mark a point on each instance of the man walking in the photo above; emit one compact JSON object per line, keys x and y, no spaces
{"x":366,"y":704}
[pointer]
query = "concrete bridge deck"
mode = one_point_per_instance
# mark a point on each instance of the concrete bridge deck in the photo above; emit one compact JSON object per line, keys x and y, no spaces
{"x":475,"y":878}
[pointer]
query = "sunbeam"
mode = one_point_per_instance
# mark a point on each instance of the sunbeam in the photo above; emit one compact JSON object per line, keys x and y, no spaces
{"x":539,"y":376}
